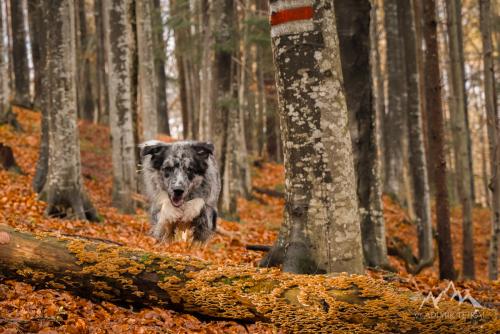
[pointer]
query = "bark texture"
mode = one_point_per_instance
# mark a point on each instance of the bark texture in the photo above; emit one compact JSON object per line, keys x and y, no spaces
{"x":146,"y":90}
{"x":86,"y":103}
{"x":38,"y":24}
{"x":461,"y":134}
{"x":161,"y":77}
{"x":120,"y":59}
{"x":63,"y":189}
{"x":292,"y":303}
{"x":493,"y":134}
{"x":353,"y":26}
{"x":394,"y":118}
{"x":417,"y":157}
{"x":5,"y":109}
{"x":321,"y":231}
{"x":436,"y":140}
{"x":20,"y":53}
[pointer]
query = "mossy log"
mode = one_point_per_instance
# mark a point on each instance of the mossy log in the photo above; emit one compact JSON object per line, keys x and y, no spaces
{"x":293,"y":303}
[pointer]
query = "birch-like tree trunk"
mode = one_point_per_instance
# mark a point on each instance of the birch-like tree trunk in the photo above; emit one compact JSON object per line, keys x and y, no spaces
{"x":493,"y":134}
{"x":63,"y":189}
{"x":120,"y":48}
{"x":36,"y":31}
{"x":20,"y":53}
{"x":206,"y":68}
{"x":146,"y":89}
{"x":393,"y":120}
{"x":461,"y":134}
{"x":5,"y":110}
{"x":161,"y":77}
{"x":321,"y":230}
{"x":353,"y":26}
{"x":436,"y":140}
{"x":417,"y":157}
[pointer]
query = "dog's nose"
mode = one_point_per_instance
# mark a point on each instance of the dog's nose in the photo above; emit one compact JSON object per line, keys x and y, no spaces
{"x":178,"y":192}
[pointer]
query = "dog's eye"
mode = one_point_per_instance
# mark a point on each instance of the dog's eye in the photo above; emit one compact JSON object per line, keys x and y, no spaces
{"x":190,"y":173}
{"x":167,"y":171}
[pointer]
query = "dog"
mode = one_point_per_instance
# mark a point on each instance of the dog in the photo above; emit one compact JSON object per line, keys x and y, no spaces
{"x":182,"y":184}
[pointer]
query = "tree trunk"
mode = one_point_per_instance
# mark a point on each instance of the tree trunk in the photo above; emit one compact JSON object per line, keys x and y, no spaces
{"x":417,"y":157}
{"x":417,"y":11}
{"x":493,"y":134}
{"x":100,"y":52}
{"x":35,"y":19}
{"x":6,"y":115}
{"x":353,"y":26}
{"x":206,"y":68}
{"x":321,"y":230}
{"x":292,"y":303}
{"x":39,"y":26}
{"x":461,"y":134}
{"x":161,"y":77}
{"x":245,"y":179}
{"x":436,"y":140}
{"x":120,"y":59}
{"x":146,"y":90}
{"x":63,"y":189}
{"x":224,"y":75}
{"x":84,"y":92}
{"x":20,"y":53}
{"x":179,"y":10}
{"x":393,"y":120}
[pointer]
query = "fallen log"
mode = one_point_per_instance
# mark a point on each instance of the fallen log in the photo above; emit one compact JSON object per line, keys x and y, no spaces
{"x":293,"y":303}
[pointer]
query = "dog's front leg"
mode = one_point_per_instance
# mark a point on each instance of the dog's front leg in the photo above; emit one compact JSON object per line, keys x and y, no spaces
{"x":205,"y":224}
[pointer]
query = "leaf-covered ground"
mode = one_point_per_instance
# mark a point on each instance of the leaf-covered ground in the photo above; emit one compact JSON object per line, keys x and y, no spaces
{"x":49,"y":311}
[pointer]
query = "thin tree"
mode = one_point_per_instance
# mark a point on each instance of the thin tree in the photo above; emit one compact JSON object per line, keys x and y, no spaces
{"x":120,"y":55}
{"x":86,"y":103}
{"x":38,"y":19}
{"x":353,"y":27}
{"x":394,"y":118}
{"x":100,"y":54}
{"x":417,"y":157}
{"x":6,"y":115}
{"x":146,"y":90}
{"x":321,"y":231}
{"x":493,"y":133}
{"x":461,"y":134}
{"x":161,"y":77}
{"x":20,"y":53}
{"x":63,"y":189}
{"x":436,"y":140}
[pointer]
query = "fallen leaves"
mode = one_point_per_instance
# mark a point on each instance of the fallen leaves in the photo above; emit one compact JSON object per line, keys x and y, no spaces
{"x":50,"y":311}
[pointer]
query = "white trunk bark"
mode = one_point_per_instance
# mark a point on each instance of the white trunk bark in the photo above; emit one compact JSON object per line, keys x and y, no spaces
{"x":4,"y":68}
{"x":63,"y":189}
{"x":321,"y":217}
{"x":146,"y":92}
{"x":119,"y":53}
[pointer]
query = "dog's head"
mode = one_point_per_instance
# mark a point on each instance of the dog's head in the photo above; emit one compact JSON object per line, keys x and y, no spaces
{"x":181,"y":165}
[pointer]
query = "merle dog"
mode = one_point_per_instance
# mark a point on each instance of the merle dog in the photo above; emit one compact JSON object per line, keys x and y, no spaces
{"x":182,"y":183}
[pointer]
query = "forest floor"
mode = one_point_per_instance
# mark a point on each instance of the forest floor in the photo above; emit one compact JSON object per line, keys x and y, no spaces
{"x":49,"y":311}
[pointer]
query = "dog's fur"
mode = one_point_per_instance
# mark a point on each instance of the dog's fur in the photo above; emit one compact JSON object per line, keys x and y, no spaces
{"x":182,"y":183}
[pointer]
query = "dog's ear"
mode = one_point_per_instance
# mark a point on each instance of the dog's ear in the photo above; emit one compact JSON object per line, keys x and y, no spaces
{"x":203,"y":149}
{"x":157,"y":152}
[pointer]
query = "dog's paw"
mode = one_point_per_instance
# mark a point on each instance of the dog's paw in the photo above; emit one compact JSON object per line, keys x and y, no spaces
{"x":204,"y":225}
